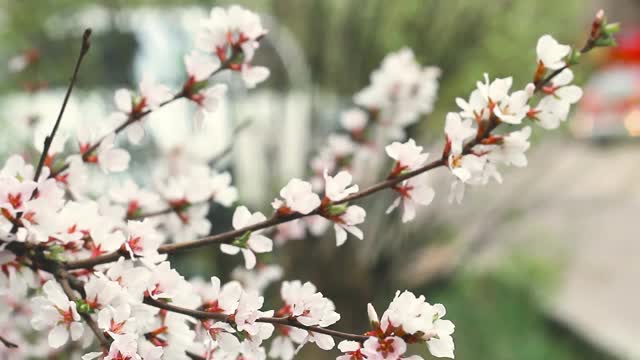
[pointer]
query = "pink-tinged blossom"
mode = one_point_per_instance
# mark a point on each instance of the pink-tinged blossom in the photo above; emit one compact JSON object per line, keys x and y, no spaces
{"x":408,"y":156}
{"x":412,"y":192}
{"x":310,"y":308}
{"x":346,"y":222}
{"x":339,"y":186}
{"x":297,"y":196}
{"x":354,"y":120}
{"x":151,"y":96}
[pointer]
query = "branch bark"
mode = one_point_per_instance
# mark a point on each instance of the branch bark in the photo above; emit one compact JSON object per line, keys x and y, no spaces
{"x":286,"y":321}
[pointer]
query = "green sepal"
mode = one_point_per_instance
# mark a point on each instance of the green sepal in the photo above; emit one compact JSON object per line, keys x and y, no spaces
{"x":574,"y":57}
{"x":55,"y":253}
{"x":336,"y":210}
{"x":241,"y":241}
{"x":199,"y":86}
{"x":83,"y":308}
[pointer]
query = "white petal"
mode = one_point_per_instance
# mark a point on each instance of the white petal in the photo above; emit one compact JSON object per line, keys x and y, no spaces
{"x":58,"y":336}
{"x":253,"y":75}
{"x":241,"y":217}
{"x":341,"y":234}
{"x":123,"y":100}
{"x":441,"y":347}
{"x":249,"y":258}
{"x":229,"y":249}
{"x":77,"y":330}
{"x":260,"y":243}
{"x":135,"y":132}
{"x":324,"y":342}
{"x":114,"y":160}
{"x":409,"y":212}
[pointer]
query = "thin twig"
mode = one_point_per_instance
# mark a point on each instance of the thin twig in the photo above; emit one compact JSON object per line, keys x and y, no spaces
{"x":8,"y":343}
{"x":134,"y":117}
{"x":227,"y":150}
{"x":63,"y":278}
{"x":48,"y":140}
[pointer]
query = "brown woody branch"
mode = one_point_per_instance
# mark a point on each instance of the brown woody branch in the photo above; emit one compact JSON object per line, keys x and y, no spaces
{"x":285,"y":321}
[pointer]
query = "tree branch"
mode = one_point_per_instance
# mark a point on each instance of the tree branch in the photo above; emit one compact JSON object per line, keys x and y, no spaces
{"x":8,"y":343}
{"x":229,"y":236}
{"x":136,"y":117}
{"x":286,"y":321}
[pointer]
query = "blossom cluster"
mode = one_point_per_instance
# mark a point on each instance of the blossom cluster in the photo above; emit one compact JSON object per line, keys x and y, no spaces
{"x":92,"y":270}
{"x":407,"y":320}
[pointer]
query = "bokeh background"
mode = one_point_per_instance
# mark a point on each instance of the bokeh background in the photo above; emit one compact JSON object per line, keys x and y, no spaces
{"x":544,"y":266}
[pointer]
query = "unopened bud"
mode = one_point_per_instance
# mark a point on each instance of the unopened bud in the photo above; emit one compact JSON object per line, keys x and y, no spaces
{"x":530,"y":89}
{"x":373,"y":315}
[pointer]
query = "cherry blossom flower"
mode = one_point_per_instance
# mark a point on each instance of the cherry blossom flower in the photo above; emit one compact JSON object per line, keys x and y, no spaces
{"x":494,"y":91}
{"x":298,"y":196}
{"x":55,"y":309}
{"x":310,"y":308}
{"x":408,"y":156}
{"x":414,"y":191}
{"x":251,"y":242}
{"x":199,"y":68}
{"x":143,"y":240}
{"x":137,"y":200}
{"x":346,"y":221}
{"x":229,"y":30}
{"x":554,"y":108}
{"x":512,"y":149}
{"x":101,"y":292}
{"x":352,"y":350}
{"x":254,"y":75}
{"x":109,"y":157}
{"x":354,"y":120}
{"x":391,"y":347}
{"x":475,"y":108}
{"x":222,"y":299}
{"x":248,"y":312}
{"x":515,"y":107}
{"x":457,"y":131}
{"x":222,"y":191}
{"x":407,"y":319}
{"x":337,"y":187}
{"x":400,"y":90}
{"x":151,"y":96}
{"x":551,"y":54}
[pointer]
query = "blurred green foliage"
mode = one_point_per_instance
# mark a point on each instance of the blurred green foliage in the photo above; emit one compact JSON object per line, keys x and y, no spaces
{"x":498,"y":319}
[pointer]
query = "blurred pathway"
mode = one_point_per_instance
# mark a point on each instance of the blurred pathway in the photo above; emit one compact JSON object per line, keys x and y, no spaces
{"x":577,"y":204}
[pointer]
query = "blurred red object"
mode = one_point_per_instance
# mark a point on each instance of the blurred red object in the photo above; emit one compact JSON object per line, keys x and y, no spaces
{"x":628,"y":49}
{"x":611,"y":102}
